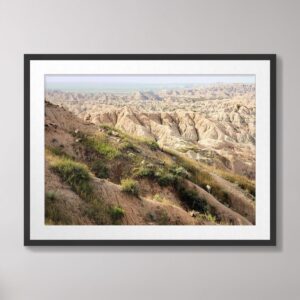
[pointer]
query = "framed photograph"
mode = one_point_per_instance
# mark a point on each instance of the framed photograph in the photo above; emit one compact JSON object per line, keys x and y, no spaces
{"x":150,"y":149}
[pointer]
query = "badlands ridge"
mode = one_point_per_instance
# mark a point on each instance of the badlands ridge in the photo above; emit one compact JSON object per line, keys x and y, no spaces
{"x":214,"y":124}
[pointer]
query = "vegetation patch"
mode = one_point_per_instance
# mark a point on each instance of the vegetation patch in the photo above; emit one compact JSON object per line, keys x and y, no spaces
{"x":207,"y":217}
{"x":158,"y":198}
{"x":75,"y":174}
{"x":164,"y":175}
{"x":163,"y":218}
{"x":159,"y":217}
{"x":58,"y":151}
{"x":243,"y":182}
{"x":102,"y":146}
{"x":117,"y":213}
{"x":98,"y":212}
{"x":151,"y":144}
{"x":98,"y":143}
{"x":130,"y":186}
{"x":165,"y":178}
{"x":99,"y":169}
{"x":54,"y":215}
{"x":201,"y":177}
{"x":130,"y":142}
{"x":146,"y":171}
{"x":127,"y":145}
{"x":179,"y":171}
{"x":192,"y":200}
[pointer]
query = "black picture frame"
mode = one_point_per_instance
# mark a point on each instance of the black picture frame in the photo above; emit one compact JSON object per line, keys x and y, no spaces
{"x":31,"y":242}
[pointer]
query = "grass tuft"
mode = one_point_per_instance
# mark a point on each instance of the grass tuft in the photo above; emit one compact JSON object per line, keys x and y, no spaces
{"x":146,"y":171}
{"x":100,"y":169}
{"x":98,"y":143}
{"x":117,"y":213}
{"x":75,"y":174}
{"x":163,"y":175}
{"x":102,"y":146}
{"x":130,"y":186}
{"x":165,"y":178}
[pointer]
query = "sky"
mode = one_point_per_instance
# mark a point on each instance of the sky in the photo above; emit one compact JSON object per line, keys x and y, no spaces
{"x":92,"y":83}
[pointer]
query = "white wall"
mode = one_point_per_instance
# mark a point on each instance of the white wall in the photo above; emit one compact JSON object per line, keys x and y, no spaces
{"x":143,"y":26}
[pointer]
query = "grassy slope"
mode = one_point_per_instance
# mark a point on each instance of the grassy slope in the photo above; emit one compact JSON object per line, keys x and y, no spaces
{"x":128,"y":161}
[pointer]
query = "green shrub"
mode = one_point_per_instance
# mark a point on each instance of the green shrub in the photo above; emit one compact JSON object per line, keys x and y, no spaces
{"x":179,"y":171}
{"x":151,"y":144}
{"x":130,"y":186}
{"x":191,"y":198}
{"x":75,"y":174}
{"x":145,"y":171}
{"x":102,"y":146}
{"x":165,"y":178}
{"x":162,"y":175}
{"x":99,"y":169}
{"x":116,"y":213}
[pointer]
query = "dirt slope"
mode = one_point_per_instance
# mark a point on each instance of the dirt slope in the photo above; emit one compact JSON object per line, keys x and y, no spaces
{"x":68,"y":140}
{"x":226,"y":214}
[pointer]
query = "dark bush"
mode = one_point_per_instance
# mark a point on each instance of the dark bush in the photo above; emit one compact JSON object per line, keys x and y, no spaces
{"x":99,"y":169}
{"x":145,"y":171}
{"x":116,"y":213}
{"x":151,"y":144}
{"x":165,"y":179}
{"x":192,"y":200}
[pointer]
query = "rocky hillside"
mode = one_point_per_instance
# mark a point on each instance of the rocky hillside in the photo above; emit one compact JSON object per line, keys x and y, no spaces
{"x":225,"y":140}
{"x":214,"y":124}
{"x":126,"y":173}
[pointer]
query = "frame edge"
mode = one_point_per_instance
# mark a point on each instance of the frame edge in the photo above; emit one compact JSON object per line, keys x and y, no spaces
{"x":273,"y":236}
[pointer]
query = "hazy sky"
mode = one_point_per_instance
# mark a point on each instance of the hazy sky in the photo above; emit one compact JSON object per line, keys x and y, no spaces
{"x":141,"y":82}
